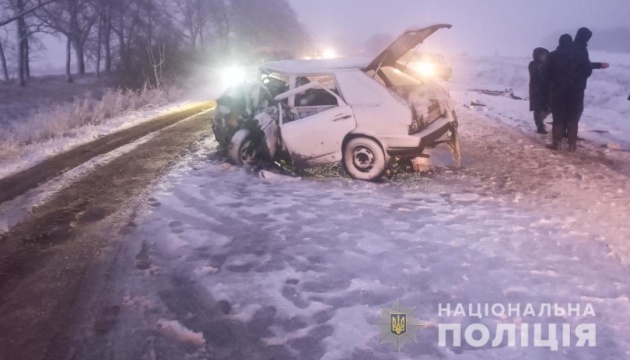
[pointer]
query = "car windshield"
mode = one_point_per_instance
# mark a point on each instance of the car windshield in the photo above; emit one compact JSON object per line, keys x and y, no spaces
{"x":275,"y":83}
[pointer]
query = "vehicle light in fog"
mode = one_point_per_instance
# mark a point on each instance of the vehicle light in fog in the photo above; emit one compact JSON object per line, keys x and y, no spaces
{"x":233,"y":75}
{"x":329,"y":54}
{"x":425,"y":69}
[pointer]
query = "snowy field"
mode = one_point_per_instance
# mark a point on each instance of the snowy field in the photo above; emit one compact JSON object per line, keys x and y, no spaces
{"x":606,"y":119}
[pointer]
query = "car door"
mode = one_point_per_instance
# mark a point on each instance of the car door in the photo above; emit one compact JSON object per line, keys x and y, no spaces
{"x":314,"y":134}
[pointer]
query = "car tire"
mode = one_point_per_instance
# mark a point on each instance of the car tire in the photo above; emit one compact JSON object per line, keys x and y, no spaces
{"x":244,"y":149}
{"x":364,"y":159}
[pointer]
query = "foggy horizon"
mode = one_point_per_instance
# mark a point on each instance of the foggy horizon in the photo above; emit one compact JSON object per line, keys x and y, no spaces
{"x":481,"y":28}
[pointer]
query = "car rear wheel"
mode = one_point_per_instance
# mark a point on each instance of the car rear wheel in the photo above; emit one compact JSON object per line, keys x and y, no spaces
{"x":364,"y":159}
{"x":244,"y":149}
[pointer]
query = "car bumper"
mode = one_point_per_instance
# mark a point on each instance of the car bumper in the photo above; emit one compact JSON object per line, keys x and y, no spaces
{"x":416,"y":143}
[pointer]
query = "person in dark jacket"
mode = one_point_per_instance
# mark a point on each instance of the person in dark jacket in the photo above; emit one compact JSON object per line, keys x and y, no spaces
{"x":539,"y":89}
{"x":582,"y":68}
{"x":558,"y":73}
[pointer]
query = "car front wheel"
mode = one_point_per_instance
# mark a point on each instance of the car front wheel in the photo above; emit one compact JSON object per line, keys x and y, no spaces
{"x":364,"y":159}
{"x":244,"y":149}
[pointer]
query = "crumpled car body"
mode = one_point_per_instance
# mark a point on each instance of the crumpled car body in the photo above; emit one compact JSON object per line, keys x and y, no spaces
{"x":357,"y":112}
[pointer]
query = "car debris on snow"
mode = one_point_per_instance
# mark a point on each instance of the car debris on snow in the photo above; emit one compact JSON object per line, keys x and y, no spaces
{"x":174,"y":329}
{"x":505,"y":93}
{"x":269,"y":176}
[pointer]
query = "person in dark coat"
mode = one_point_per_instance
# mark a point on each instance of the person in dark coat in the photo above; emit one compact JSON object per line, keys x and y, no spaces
{"x":582,"y":68}
{"x":559,"y":75}
{"x":539,"y":89}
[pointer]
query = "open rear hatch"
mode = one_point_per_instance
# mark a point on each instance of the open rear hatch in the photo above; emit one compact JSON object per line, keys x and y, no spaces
{"x":410,"y":39}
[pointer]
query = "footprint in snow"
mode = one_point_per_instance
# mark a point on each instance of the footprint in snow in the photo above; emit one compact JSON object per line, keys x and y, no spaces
{"x":143,"y":261}
{"x":177,"y":227}
{"x":153,"y":202}
{"x":107,"y":320}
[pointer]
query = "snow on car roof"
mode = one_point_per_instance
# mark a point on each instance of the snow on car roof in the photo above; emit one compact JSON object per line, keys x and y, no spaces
{"x":313,"y":67}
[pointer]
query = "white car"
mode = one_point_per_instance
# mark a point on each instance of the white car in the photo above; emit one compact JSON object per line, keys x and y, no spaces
{"x":357,"y":112}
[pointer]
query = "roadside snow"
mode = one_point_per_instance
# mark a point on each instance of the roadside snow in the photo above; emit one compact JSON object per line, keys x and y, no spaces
{"x":303,"y":267}
{"x":33,"y":154}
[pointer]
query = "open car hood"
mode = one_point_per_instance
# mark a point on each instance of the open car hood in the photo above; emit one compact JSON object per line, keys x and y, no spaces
{"x":402,"y":45}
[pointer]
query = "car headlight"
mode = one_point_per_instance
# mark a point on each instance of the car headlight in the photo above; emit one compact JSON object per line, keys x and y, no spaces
{"x":329,"y":54}
{"x":233,"y":75}
{"x":425,"y":69}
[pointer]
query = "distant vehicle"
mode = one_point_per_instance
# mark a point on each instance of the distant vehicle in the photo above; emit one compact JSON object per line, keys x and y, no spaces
{"x":431,"y":65}
{"x":357,"y":112}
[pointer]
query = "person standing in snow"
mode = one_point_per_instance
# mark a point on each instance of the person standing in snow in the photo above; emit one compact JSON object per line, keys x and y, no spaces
{"x":539,"y":89}
{"x":562,"y":91}
{"x":583,"y":69}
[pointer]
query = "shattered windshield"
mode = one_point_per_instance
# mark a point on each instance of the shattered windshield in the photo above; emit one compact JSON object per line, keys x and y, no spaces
{"x":275,"y":83}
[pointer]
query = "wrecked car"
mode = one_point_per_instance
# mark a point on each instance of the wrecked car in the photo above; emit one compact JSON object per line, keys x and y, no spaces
{"x":361,"y":113}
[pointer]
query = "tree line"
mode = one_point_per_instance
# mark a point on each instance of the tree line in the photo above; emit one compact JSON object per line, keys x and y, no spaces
{"x":134,"y":36}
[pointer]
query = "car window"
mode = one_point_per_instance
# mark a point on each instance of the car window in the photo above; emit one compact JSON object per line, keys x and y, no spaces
{"x":317,"y":96}
{"x":275,"y":83}
{"x":313,"y":101}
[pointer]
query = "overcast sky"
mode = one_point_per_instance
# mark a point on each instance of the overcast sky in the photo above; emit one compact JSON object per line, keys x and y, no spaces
{"x":507,"y":27}
{"x":482,"y":27}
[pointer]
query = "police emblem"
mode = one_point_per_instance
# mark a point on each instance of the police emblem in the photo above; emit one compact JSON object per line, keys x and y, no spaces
{"x":398,"y":326}
{"x":399,"y":323}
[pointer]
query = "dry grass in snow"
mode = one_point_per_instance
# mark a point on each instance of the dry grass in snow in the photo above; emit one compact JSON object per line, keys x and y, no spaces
{"x":59,"y":120}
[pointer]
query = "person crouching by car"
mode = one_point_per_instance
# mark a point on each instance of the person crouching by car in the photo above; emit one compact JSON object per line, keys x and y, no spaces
{"x":539,"y":90}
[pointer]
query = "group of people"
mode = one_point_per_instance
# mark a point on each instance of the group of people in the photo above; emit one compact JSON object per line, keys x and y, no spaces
{"x":557,"y":84}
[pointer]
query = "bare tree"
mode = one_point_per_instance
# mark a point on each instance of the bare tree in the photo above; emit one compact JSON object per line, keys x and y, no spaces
{"x":3,"y":62}
{"x":20,"y":8}
{"x":25,"y":12}
{"x":157,"y":63}
{"x":116,"y":34}
{"x":222,"y":22}
{"x":107,"y":9}
{"x":194,"y":16}
{"x":73,"y":19}
{"x":68,"y":59}
{"x":81,"y":23}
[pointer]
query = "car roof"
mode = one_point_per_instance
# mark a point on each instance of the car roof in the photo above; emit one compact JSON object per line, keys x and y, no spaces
{"x":314,"y":67}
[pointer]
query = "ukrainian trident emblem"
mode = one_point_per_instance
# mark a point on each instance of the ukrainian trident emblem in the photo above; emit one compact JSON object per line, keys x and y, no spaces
{"x":399,"y":323}
{"x":398,"y":326}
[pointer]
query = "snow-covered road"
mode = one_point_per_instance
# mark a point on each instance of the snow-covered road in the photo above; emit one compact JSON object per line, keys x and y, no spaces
{"x":222,"y":264}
